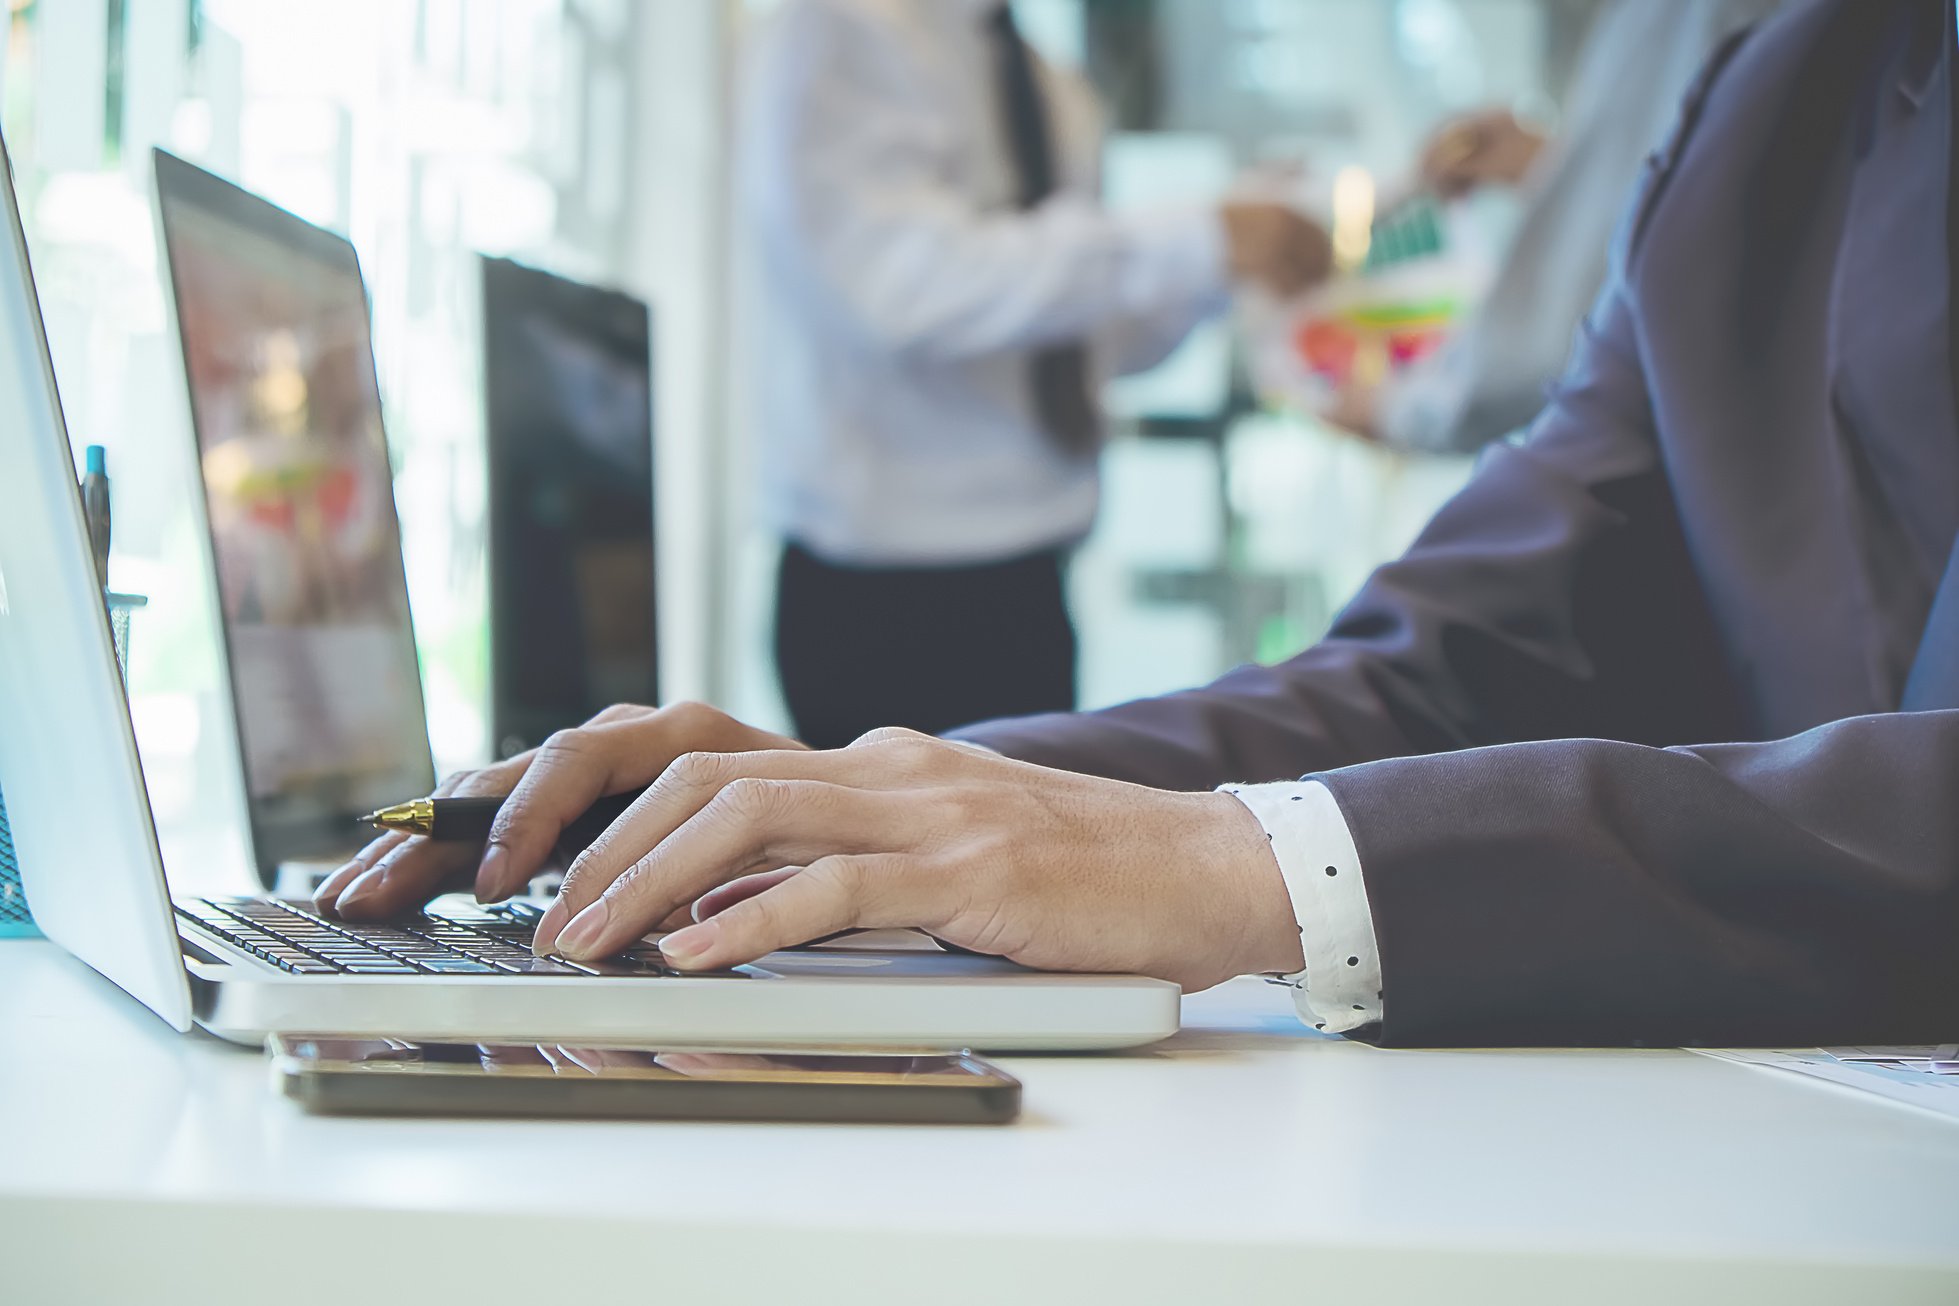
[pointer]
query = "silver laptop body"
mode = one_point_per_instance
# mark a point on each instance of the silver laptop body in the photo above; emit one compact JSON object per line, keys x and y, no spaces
{"x":94,"y":874}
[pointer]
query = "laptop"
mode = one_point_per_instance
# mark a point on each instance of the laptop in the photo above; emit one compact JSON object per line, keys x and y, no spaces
{"x":298,"y":504}
{"x":244,"y":968}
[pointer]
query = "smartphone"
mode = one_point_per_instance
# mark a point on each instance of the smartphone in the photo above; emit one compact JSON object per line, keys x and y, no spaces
{"x":562,"y":1081}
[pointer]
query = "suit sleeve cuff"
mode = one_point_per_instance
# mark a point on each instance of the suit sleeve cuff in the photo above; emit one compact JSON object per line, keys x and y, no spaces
{"x":1340,"y":988}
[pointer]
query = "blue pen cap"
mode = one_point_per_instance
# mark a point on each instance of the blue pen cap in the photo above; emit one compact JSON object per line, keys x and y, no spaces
{"x":97,"y":460}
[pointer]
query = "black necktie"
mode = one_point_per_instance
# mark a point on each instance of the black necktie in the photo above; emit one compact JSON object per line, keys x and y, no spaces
{"x":1059,"y":373}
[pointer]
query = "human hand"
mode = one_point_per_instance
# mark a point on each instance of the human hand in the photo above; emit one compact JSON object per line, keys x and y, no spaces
{"x":1274,"y":246}
{"x":621,"y":749}
{"x":1489,"y":147}
{"x":1355,"y":409}
{"x":1048,"y":868}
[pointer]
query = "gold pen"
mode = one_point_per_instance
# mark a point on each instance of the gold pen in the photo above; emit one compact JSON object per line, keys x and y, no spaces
{"x":417,"y":817}
{"x":459,"y":820}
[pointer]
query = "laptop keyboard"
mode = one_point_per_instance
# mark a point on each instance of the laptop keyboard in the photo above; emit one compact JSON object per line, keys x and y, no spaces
{"x":454,"y":940}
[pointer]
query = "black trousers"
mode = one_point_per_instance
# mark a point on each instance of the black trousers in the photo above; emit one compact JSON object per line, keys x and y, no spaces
{"x":926,"y":647}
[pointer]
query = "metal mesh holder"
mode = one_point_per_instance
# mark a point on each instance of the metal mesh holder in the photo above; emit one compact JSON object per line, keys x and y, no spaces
{"x":15,"y":920}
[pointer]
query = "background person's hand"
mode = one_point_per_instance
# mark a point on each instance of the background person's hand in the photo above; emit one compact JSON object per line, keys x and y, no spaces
{"x":1048,"y":868}
{"x":1487,"y":148}
{"x":1275,"y":246}
{"x":621,"y":749}
{"x":1355,"y":408}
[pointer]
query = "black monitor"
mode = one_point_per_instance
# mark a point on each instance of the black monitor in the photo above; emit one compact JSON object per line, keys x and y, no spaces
{"x":568,"y":396}
{"x":326,"y":691}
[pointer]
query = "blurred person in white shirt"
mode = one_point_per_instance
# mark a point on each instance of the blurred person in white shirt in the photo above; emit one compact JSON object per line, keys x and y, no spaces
{"x":939,"y":296}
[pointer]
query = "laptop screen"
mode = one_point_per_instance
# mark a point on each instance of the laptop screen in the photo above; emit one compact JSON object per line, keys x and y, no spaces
{"x":75,"y":797}
{"x":568,"y":390}
{"x":272,"y":316}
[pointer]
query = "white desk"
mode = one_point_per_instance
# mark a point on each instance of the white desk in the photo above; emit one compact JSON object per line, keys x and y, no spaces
{"x":1247,"y":1160}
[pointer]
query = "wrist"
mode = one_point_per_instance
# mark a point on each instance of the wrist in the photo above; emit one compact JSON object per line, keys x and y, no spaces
{"x":1260,"y":935}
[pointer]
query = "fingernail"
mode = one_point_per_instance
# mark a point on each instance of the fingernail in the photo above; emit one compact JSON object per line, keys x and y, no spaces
{"x":324,"y":896}
{"x":489,"y":875}
{"x":684,"y":947}
{"x":579,"y":937}
{"x":362,"y":889}
{"x":549,"y":926}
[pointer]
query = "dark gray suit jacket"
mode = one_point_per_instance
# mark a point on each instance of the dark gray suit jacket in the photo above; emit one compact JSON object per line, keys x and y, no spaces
{"x":1729,"y":524}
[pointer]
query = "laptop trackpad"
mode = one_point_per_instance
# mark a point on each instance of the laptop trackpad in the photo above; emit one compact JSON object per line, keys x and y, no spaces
{"x":893,"y":963}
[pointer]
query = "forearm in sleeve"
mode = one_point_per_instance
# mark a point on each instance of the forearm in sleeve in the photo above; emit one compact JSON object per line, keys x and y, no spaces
{"x":1800,"y":891}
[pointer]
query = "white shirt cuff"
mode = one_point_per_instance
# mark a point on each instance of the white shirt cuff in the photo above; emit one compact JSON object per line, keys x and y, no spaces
{"x":1340,"y":989}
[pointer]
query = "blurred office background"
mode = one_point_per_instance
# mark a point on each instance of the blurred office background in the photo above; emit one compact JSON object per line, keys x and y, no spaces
{"x":590,"y":137}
